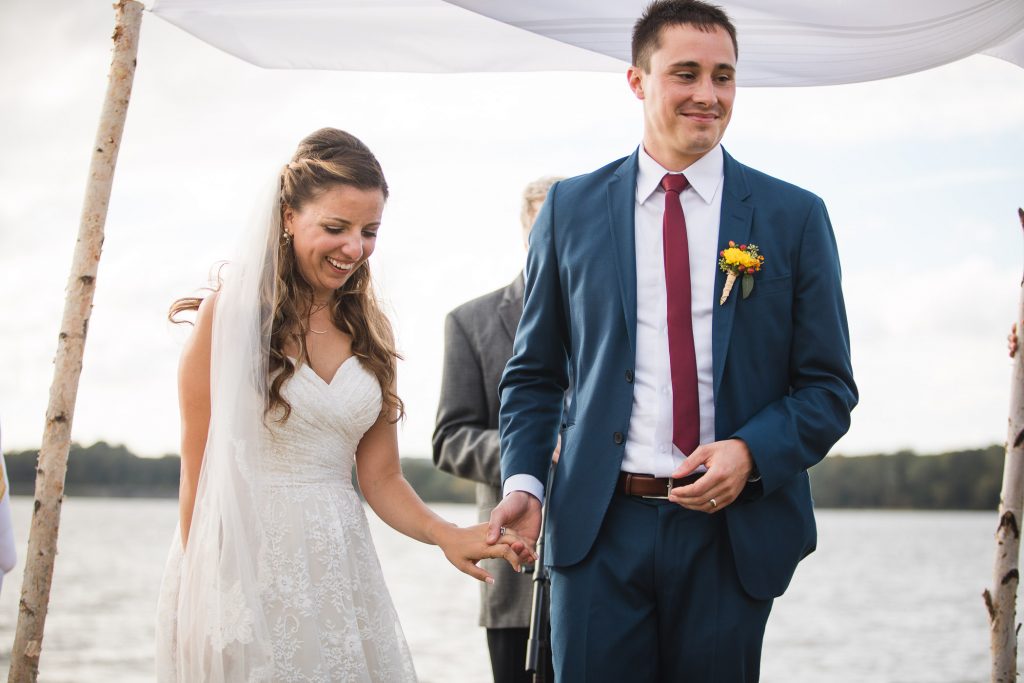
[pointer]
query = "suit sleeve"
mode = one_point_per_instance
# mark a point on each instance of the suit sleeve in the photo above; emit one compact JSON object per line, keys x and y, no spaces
{"x":795,"y":432}
{"x":536,"y":377}
{"x":463,"y":443}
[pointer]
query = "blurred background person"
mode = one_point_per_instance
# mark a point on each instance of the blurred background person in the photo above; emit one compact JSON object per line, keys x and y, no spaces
{"x":8,"y":551}
{"x":478,"y":339}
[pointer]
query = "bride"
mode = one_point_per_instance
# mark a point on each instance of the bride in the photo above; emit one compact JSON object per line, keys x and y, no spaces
{"x":287,"y":379}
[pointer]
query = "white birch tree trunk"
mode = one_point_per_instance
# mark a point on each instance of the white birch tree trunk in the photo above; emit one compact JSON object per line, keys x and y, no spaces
{"x":53,"y":453}
{"x":1001,"y":601}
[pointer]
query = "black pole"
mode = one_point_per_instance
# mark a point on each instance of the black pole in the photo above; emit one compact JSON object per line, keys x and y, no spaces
{"x":538,"y":646}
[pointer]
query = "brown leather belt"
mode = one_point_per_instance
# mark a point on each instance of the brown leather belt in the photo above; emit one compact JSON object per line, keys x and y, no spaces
{"x":647,"y":486}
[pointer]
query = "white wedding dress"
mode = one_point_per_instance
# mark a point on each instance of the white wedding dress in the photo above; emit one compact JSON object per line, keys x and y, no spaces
{"x":329,"y":614}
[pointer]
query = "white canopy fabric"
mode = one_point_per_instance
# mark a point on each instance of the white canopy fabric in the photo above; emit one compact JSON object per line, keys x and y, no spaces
{"x":782,"y":43}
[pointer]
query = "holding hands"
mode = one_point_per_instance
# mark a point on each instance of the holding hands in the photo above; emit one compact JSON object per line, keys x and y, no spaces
{"x":464,"y":547}
{"x":518,"y":513}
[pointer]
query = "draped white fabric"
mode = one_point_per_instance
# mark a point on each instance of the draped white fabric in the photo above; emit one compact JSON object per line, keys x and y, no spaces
{"x":8,"y":548}
{"x":782,"y":43}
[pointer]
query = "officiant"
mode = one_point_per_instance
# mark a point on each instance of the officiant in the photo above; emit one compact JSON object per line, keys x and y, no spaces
{"x":478,"y":342}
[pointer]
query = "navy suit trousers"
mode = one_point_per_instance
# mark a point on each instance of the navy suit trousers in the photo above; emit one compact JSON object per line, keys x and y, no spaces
{"x":656,"y":599}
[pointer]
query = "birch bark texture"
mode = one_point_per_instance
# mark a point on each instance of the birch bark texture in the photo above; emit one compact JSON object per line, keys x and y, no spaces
{"x":1001,"y":600}
{"x":53,"y":453}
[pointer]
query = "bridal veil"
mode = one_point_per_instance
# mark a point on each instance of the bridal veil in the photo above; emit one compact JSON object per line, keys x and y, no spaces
{"x":210,"y":627}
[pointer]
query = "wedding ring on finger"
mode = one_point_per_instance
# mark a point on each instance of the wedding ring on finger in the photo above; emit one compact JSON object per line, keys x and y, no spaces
{"x":502,"y":531}
{"x":712,"y":503}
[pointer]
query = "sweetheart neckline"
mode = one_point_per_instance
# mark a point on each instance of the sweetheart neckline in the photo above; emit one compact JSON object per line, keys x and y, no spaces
{"x":317,"y":375}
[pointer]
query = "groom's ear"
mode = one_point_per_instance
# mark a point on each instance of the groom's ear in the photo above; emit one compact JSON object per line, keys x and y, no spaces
{"x":634,"y":76}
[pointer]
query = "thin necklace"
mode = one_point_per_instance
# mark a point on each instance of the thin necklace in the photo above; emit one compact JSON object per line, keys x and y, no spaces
{"x":316,"y":309}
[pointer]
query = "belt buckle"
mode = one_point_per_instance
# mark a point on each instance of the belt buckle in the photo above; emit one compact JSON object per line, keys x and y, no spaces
{"x":668,"y":490}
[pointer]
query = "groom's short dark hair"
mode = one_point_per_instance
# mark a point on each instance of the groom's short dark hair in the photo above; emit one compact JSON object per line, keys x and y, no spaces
{"x":662,"y":13}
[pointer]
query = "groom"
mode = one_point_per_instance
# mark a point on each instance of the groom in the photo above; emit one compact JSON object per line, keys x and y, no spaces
{"x":681,"y":506}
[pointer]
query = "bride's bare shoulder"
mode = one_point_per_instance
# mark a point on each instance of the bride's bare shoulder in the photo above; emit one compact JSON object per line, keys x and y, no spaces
{"x":197,"y":346}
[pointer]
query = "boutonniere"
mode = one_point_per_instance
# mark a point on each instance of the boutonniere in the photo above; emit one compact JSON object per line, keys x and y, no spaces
{"x":741,"y":260}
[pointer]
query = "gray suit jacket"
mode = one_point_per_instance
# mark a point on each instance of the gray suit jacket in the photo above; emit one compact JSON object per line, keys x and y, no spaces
{"x":478,"y":343}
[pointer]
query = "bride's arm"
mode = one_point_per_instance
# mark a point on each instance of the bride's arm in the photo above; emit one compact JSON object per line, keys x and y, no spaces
{"x":395,"y":502}
{"x":194,"y":404}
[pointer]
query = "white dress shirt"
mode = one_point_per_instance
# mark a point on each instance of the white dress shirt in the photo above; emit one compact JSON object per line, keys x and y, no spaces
{"x":649,"y":448}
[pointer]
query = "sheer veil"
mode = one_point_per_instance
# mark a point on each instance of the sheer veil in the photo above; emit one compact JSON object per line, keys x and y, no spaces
{"x":221,"y":634}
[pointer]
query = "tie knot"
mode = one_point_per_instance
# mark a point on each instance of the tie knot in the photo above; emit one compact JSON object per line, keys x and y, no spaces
{"x":674,"y":182}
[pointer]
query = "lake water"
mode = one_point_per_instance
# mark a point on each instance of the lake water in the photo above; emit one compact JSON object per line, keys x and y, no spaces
{"x":889,"y":597}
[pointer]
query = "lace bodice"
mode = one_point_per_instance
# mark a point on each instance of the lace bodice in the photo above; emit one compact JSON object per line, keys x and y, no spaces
{"x":317,"y":443}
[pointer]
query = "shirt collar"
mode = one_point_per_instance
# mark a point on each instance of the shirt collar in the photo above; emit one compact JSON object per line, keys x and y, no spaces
{"x":704,"y":175}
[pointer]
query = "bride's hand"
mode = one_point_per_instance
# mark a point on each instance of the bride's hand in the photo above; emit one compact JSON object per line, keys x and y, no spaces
{"x":464,"y":547}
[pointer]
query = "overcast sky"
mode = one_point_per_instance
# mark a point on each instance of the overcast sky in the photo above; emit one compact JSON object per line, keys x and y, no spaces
{"x":922,"y":176}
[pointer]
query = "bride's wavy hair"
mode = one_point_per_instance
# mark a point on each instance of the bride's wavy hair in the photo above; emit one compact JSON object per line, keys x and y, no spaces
{"x":324,"y":159}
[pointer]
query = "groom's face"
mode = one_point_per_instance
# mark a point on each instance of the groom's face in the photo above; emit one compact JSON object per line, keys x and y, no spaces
{"x":687,"y":91}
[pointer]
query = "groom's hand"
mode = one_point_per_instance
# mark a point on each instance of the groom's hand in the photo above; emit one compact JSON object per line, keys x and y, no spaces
{"x":729,"y":466}
{"x":519,"y":512}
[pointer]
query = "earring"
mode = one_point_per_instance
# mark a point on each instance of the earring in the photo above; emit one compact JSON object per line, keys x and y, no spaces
{"x":286,"y":236}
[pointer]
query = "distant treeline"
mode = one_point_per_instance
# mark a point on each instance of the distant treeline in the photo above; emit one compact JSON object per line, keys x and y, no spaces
{"x":101,"y":470}
{"x":961,"y":480}
{"x":106,"y":470}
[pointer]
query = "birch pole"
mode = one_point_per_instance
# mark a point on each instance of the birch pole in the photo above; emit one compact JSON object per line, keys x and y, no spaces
{"x":53,"y":453}
{"x":1001,"y":601}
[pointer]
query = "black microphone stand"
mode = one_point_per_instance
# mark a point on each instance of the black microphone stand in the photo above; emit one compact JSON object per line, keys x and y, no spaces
{"x":538,"y":646}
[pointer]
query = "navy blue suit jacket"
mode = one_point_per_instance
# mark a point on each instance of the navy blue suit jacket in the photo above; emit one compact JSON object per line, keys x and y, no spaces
{"x":782,"y":376}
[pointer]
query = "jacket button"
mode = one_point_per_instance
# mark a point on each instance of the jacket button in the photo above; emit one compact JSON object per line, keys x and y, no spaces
{"x":629,"y":376}
{"x":617,"y":438}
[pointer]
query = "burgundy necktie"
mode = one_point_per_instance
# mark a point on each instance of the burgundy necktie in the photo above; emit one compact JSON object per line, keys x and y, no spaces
{"x":682,"y":357}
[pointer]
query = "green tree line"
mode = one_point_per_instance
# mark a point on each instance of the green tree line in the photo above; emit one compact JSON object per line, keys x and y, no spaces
{"x":106,"y":470}
{"x":959,"y":480}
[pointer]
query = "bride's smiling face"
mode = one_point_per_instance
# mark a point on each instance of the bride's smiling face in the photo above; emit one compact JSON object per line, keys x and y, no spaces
{"x":333,"y":234}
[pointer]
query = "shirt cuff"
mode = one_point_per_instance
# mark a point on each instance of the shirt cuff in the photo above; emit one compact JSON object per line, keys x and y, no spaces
{"x":524,"y":482}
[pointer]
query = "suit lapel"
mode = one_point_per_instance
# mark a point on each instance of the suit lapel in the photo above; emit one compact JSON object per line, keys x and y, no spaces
{"x":510,"y":309}
{"x":621,"y":219}
{"x":737,"y":215}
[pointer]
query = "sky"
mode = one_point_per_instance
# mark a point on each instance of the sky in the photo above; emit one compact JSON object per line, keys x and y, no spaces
{"x":922,"y":176}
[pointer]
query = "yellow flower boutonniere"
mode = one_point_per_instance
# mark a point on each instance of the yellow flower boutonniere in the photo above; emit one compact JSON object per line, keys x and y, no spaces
{"x":736,"y":261}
